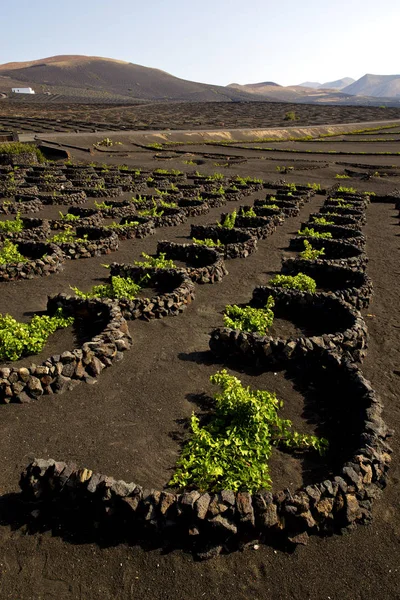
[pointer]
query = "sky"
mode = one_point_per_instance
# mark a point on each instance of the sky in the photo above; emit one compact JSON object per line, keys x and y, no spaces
{"x":213,"y":41}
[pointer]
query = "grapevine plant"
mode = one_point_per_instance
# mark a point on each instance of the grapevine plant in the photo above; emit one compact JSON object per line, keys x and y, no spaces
{"x":9,"y":253}
{"x":22,"y":339}
{"x":301,"y":282}
{"x":155,"y":262}
{"x":310,"y":253}
{"x":232,"y":451}
{"x":119,"y":287}
{"x":208,"y":242}
{"x":13,"y":226}
{"x":310,"y":232}
{"x":257,"y":320}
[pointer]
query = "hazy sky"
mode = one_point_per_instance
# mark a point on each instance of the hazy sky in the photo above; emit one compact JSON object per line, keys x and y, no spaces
{"x":214,"y":41}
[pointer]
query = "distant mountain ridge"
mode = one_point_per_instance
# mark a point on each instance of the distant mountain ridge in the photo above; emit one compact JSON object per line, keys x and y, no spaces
{"x":339,"y":84}
{"x":379,"y":86}
{"x":83,"y":78}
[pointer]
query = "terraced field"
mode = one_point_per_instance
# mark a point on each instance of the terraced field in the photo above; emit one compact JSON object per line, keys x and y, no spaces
{"x":108,"y":400}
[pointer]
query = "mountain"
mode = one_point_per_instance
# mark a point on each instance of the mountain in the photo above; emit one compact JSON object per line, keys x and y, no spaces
{"x":339,"y":84}
{"x":310,"y":84}
{"x":93,"y":76}
{"x":379,"y":86}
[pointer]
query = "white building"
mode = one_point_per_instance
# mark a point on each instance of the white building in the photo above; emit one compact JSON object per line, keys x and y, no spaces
{"x":23,"y":90}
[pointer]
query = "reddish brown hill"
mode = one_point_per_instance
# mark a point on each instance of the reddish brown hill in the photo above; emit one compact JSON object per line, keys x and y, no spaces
{"x":86,"y":75}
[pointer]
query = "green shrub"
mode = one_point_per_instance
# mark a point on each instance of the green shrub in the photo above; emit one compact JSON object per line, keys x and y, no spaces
{"x":248,"y":212}
{"x":341,"y":203}
{"x":22,"y":339}
{"x":347,"y":190}
{"x":310,"y":253}
{"x":12,"y":226}
{"x":232,"y":451}
{"x":229,"y":221}
{"x":322,"y":221}
{"x":18,"y":148}
{"x":121,"y":227}
{"x":9,"y":253}
{"x":69,"y":217}
{"x":314,"y":186}
{"x":208,"y":242}
{"x":164,"y":204}
{"x":290,"y":116}
{"x":339,"y":176}
{"x":310,"y":232}
{"x":270,"y":207}
{"x":102,"y":206}
{"x":257,"y":320}
{"x":301,"y":282}
{"x":155,"y":262}
{"x":119,"y":287}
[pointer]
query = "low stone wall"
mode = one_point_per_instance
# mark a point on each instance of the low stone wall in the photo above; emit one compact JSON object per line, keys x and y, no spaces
{"x":348,"y":221}
{"x":109,"y":192}
{"x":341,"y":252}
{"x":100,"y":241}
{"x":193,"y":207}
{"x":63,"y":199}
{"x":360,"y":215}
{"x":259,"y":227}
{"x":9,"y":207}
{"x":352,"y":286}
{"x":349,"y":338}
{"x":145,"y":228}
{"x":215,"y":520}
{"x":171,"y":217}
{"x":206,"y":264}
{"x":339,"y":233}
{"x":179,"y":292}
{"x":61,"y":373}
{"x":237,"y":243}
{"x":43,"y":259}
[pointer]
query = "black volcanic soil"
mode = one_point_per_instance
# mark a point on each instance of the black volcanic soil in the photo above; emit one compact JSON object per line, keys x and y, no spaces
{"x":30,"y":115}
{"x":125,"y":426}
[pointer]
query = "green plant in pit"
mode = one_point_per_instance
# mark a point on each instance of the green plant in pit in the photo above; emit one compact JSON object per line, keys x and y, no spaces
{"x":68,"y":236}
{"x":232,"y":451}
{"x":18,"y":148}
{"x":314,"y":186}
{"x":166,"y":172}
{"x":122,"y":226}
{"x":150,"y":180}
{"x":247,"y":212}
{"x":291,"y":186}
{"x":310,"y":253}
{"x":229,"y":221}
{"x":22,"y":339}
{"x":272,"y":207}
{"x":290,"y":116}
{"x":189,"y":162}
{"x":248,"y":179}
{"x":301,"y":282}
{"x":155,"y":262}
{"x":69,"y":217}
{"x":102,"y":206}
{"x":220,"y":191}
{"x":369,"y":194}
{"x":216,"y":177}
{"x":310,"y":232}
{"x":161,"y":192}
{"x":119,"y":287}
{"x":340,"y":203}
{"x":208,"y":242}
{"x":257,"y":320}
{"x":138,"y":199}
{"x":347,"y":190}
{"x":9,"y":253}
{"x":174,"y":188}
{"x":339,"y":176}
{"x":164,"y":204}
{"x":152,"y":212}
{"x":322,"y":221}
{"x":12,"y":226}
{"x":108,"y":143}
{"x":154,"y":146}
